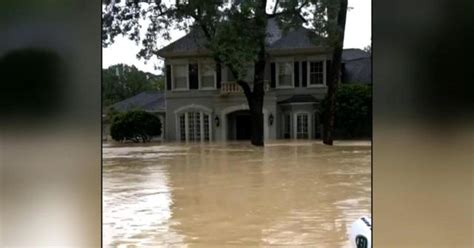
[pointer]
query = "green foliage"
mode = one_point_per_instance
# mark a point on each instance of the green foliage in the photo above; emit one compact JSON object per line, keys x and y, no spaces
{"x":353,"y":117}
{"x":135,"y":126}
{"x":235,"y":32}
{"x":121,"y":81}
{"x":368,"y":48}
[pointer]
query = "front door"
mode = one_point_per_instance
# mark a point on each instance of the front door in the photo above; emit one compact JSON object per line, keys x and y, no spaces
{"x":243,"y":126}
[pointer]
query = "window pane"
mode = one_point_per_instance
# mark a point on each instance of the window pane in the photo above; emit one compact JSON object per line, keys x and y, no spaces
{"x":316,"y":71}
{"x":206,"y":127}
{"x":191,"y":125}
{"x":197,"y":133}
{"x":180,"y":76}
{"x":285,"y":73}
{"x":207,"y":76}
{"x":302,"y":126}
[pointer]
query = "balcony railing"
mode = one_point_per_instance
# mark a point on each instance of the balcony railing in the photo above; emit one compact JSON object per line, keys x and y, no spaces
{"x":232,"y":87}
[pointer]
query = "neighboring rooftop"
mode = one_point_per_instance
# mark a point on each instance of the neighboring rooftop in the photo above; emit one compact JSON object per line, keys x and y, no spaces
{"x":354,"y":54}
{"x":147,"y":101}
{"x":357,"y":66}
{"x":300,"y":99}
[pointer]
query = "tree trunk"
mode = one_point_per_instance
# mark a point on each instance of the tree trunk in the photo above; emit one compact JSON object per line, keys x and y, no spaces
{"x":257,"y":124}
{"x":334,"y":71}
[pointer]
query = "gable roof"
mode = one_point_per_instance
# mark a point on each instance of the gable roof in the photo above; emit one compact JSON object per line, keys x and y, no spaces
{"x":194,"y":43}
{"x":146,"y":101}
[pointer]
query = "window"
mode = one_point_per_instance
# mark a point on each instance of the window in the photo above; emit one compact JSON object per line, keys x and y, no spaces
{"x":194,"y":126}
{"x":206,"y":128}
{"x":285,"y":74}
{"x":208,"y":76}
{"x":180,"y":77}
{"x":316,"y":73}
{"x":302,"y":126}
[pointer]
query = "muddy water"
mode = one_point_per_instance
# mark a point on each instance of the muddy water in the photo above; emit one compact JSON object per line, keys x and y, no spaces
{"x":292,"y":194}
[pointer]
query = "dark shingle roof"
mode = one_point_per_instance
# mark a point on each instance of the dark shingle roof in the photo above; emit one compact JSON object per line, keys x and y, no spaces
{"x":147,"y":101}
{"x":357,"y":66}
{"x":300,"y":99}
{"x":295,"y":39}
{"x":353,"y":54}
{"x":357,"y":71}
{"x":195,"y":42}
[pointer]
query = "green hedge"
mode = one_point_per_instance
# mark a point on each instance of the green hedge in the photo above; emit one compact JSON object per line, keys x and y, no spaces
{"x":137,"y":126}
{"x":353,"y":111}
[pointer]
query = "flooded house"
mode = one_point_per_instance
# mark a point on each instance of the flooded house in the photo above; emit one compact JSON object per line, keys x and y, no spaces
{"x":201,"y":103}
{"x":205,"y":104}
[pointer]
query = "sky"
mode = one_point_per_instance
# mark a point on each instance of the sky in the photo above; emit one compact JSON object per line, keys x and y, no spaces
{"x":358,"y":35}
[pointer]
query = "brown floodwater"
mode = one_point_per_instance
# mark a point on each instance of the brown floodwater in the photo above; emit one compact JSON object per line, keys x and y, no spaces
{"x":288,"y":194}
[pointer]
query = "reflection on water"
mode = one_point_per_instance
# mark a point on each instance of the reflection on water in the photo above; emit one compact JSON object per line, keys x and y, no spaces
{"x":201,"y":195}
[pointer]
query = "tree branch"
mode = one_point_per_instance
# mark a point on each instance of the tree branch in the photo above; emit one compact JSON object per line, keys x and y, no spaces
{"x":288,"y":11}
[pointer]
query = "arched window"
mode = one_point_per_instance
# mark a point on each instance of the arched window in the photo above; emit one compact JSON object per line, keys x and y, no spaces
{"x":194,"y":126}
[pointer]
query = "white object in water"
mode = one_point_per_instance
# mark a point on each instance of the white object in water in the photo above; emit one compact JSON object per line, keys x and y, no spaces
{"x":361,"y":233}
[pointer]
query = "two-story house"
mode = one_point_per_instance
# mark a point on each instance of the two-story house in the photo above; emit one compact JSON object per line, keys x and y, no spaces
{"x":204,"y":104}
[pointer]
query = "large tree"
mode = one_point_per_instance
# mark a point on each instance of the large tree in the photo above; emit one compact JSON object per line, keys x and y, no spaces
{"x":334,"y":28}
{"x":235,"y":32}
{"x":121,"y":81}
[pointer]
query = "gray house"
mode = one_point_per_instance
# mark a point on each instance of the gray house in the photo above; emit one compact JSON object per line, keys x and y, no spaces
{"x":203,"y":104}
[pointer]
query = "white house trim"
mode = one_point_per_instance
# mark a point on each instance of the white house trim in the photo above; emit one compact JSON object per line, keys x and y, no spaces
{"x":193,"y":107}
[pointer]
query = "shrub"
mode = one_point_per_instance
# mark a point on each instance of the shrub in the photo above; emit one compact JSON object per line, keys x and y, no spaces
{"x":353,"y":116}
{"x":135,"y":126}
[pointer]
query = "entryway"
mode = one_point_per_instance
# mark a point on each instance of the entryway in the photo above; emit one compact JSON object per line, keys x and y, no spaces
{"x":239,"y":125}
